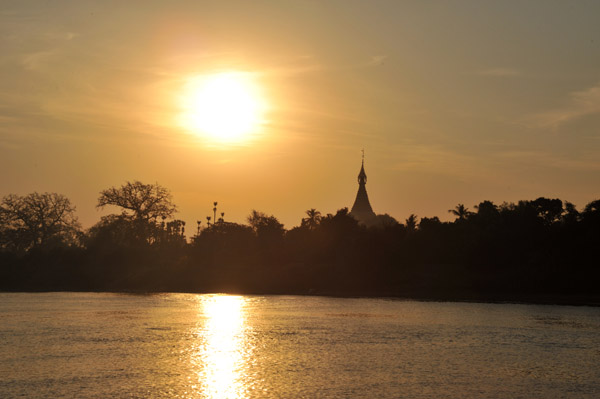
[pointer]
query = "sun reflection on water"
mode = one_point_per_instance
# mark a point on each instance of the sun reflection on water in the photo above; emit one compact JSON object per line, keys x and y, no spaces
{"x":222,"y":349}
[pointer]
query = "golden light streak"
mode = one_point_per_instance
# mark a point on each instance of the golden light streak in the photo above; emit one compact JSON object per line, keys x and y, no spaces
{"x":220,"y":358}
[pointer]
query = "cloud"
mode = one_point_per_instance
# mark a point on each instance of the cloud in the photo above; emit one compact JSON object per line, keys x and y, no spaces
{"x":60,"y":36}
{"x":438,"y":159}
{"x":579,"y":104}
{"x":35,"y":61}
{"x":310,"y":64}
{"x":377,"y":60}
{"x":500,"y":72}
{"x":547,"y":160}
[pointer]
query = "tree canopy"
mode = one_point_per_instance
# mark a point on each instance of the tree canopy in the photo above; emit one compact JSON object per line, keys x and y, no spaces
{"x":264,"y":225}
{"x":139,"y":201}
{"x":37,"y":220}
{"x":312,"y":220}
{"x":534,"y":247}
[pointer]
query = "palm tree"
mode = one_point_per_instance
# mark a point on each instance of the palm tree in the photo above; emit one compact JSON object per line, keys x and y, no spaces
{"x":313,"y":219}
{"x":461,"y":212}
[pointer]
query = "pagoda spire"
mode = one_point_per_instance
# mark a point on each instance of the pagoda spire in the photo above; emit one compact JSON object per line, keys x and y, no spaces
{"x":362,"y":176}
{"x":361,"y":210}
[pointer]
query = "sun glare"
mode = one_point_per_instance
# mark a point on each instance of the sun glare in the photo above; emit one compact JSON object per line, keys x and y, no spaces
{"x":220,"y":357}
{"x":225,"y":107}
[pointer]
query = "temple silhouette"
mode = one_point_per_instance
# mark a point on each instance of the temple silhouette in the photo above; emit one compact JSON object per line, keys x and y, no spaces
{"x":361,"y":210}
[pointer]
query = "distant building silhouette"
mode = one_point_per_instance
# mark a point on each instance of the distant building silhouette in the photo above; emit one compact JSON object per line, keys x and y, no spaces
{"x":361,"y":210}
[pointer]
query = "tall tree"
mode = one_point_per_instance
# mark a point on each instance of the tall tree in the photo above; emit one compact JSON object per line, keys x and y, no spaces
{"x":591,"y":212}
{"x":265,"y":226}
{"x":312,"y":220}
{"x":141,"y":202}
{"x":550,"y":210}
{"x":461,"y":212}
{"x":592,"y":208}
{"x":37,"y":220}
{"x":411,"y":222}
{"x":571,"y":215}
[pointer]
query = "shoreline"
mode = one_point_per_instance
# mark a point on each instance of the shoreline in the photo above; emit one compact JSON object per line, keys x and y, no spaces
{"x":512,"y":299}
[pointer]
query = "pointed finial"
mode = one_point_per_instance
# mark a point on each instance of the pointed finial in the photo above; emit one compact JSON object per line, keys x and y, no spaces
{"x":362,"y":176}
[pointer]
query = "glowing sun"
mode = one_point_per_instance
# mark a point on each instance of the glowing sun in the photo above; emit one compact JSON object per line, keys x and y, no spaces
{"x":225,"y":107}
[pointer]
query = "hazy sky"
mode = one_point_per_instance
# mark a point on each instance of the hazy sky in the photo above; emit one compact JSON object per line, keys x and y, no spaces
{"x":453,"y":102}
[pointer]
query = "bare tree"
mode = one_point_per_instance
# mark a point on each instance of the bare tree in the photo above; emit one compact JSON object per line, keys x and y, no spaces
{"x":142,"y":202}
{"x":37,"y":220}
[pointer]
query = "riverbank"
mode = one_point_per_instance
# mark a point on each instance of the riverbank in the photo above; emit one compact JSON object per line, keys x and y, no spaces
{"x":497,"y":298}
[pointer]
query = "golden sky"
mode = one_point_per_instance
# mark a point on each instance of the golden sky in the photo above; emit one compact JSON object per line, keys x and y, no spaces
{"x":453,"y":101}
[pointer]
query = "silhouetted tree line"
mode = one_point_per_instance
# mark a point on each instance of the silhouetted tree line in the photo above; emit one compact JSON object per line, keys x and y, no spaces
{"x":543,"y":248}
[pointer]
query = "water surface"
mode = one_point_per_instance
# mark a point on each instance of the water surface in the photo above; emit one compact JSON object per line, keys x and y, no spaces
{"x":89,"y":345}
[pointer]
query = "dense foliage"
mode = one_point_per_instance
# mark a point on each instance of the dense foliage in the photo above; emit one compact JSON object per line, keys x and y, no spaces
{"x":532,"y":249}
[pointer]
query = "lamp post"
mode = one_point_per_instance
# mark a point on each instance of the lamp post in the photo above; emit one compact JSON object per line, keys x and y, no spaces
{"x":198,"y":231}
{"x":208,"y":221}
{"x":215,"y":211}
{"x":222,"y":217}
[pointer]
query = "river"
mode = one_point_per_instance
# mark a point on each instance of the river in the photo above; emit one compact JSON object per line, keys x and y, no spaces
{"x":102,"y":345}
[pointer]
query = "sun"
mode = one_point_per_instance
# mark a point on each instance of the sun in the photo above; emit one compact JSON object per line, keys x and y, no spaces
{"x":224,"y":107}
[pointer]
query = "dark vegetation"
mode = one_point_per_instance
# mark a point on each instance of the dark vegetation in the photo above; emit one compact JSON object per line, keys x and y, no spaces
{"x":540,"y":250}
